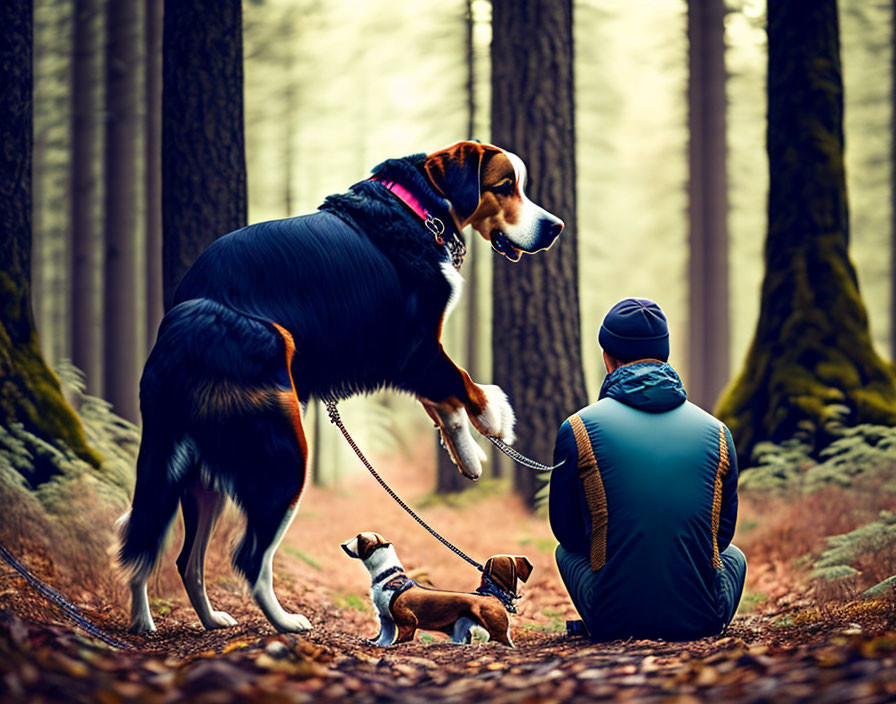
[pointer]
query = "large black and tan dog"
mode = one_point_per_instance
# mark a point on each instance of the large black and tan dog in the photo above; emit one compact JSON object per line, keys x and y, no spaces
{"x":346,"y":300}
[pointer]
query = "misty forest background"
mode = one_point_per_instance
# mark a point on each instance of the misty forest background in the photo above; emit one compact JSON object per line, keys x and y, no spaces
{"x":652,"y":131}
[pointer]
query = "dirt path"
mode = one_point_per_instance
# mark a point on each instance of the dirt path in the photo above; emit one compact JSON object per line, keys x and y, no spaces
{"x":787,"y":653}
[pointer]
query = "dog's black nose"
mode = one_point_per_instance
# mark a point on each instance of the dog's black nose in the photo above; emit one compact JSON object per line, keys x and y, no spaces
{"x":550,"y":230}
{"x":554,"y":230}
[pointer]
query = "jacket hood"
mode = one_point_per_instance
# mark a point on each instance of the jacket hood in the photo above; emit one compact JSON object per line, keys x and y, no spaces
{"x":648,"y":386}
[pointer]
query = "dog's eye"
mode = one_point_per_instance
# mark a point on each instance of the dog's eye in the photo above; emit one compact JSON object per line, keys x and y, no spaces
{"x":503,"y":187}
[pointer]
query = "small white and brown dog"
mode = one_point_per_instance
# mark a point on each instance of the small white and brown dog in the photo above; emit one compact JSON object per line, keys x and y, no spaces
{"x":403,"y":606}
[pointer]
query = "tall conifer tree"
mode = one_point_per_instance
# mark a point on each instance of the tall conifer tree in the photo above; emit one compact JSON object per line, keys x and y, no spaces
{"x":811,"y":358}
{"x":536,"y":340}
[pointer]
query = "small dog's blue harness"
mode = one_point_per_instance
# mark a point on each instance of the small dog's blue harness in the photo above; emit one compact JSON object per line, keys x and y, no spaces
{"x":398,"y":584}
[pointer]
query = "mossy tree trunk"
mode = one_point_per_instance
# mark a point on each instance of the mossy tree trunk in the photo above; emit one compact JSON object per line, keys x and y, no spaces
{"x":29,"y":391}
{"x":203,"y":154}
{"x":536,"y":344}
{"x":812,"y":348}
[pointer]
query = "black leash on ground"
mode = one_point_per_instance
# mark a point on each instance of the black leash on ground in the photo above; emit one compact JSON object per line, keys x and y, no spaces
{"x":67,"y":607}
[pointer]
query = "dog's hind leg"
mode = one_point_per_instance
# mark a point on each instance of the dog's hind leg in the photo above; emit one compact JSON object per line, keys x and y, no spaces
{"x":263,"y":586}
{"x":462,"y":632}
{"x":201,"y":509}
{"x":159,"y":480}
{"x":271,"y":504}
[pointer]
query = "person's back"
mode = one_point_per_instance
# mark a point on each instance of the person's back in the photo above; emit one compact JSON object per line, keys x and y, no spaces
{"x":644,"y":507}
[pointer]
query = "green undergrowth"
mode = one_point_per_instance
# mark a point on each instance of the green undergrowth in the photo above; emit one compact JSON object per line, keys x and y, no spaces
{"x":546,"y":546}
{"x":851,"y":560}
{"x":309,"y":560}
{"x":857,"y":456}
{"x":347,"y":602}
{"x":55,"y":503}
{"x":860,"y":464}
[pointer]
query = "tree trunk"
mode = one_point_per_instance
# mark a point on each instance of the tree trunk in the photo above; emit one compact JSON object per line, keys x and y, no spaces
{"x":123,"y":356}
{"x":448,"y":478}
{"x":536,"y":344}
{"x":203,"y":157}
{"x":51,"y":182}
{"x":893,"y":180}
{"x":811,"y":357}
{"x":155,"y":304}
{"x":29,"y":391}
{"x":708,"y":208}
{"x":87,"y":188}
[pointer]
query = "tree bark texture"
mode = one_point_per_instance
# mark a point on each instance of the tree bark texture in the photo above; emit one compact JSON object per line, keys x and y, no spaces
{"x":29,"y":391}
{"x":536,"y":340}
{"x":87,"y":192}
{"x":893,"y":180}
{"x":448,"y":478}
{"x":812,"y":350}
{"x":51,"y":183}
{"x":203,"y":155}
{"x":708,"y":204}
{"x":124,"y":132}
{"x":155,"y":300}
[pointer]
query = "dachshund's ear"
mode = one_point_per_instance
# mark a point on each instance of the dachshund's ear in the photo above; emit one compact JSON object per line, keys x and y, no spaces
{"x":523,"y":567}
{"x":455,"y":171}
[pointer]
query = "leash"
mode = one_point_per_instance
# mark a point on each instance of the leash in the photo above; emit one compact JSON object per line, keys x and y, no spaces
{"x":337,"y":421}
{"x":67,"y":607}
{"x":520,"y":458}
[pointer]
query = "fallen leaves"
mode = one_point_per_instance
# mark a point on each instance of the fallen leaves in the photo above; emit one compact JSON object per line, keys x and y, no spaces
{"x":56,"y":664}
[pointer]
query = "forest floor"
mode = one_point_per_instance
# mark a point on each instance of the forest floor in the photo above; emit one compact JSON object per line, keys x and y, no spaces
{"x":785,"y":645}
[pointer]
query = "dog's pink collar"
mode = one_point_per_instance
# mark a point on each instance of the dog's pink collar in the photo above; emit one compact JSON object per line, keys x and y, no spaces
{"x":433,"y":224}
{"x":408,"y":198}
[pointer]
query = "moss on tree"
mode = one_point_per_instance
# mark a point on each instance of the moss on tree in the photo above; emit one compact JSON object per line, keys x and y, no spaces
{"x":812,"y":348}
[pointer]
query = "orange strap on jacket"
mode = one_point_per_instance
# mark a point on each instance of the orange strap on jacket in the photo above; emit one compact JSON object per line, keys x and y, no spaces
{"x":595,"y":496}
{"x":721,"y":471}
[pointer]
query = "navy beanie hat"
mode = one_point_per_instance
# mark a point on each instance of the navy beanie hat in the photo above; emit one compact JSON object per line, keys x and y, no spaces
{"x":635,"y":328}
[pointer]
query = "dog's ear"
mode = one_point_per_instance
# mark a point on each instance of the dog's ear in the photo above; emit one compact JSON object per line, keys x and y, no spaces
{"x":368,"y":542}
{"x":455,"y":173}
{"x":351,"y":547}
{"x":523,"y":567}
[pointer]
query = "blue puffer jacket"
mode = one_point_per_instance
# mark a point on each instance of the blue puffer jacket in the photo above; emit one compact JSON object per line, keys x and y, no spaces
{"x":658,"y":457}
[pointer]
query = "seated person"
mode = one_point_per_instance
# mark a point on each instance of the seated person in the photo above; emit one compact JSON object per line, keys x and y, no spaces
{"x":645,"y":503}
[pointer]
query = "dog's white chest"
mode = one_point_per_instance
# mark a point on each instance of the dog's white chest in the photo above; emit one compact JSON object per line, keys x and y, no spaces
{"x":456,"y":282}
{"x":381,"y":598}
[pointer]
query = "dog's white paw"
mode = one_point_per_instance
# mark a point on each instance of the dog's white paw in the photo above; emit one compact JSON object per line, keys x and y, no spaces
{"x":497,"y":419}
{"x":464,"y":451}
{"x":293,"y":623}
{"x":219,"y":619}
{"x":456,"y":438}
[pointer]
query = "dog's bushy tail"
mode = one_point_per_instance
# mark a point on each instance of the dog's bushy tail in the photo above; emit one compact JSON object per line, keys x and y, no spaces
{"x":161,"y":475}
{"x":168,"y":456}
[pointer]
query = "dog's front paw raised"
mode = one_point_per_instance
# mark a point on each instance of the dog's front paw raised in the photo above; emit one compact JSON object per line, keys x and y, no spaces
{"x":497,"y":418}
{"x":456,"y":438}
